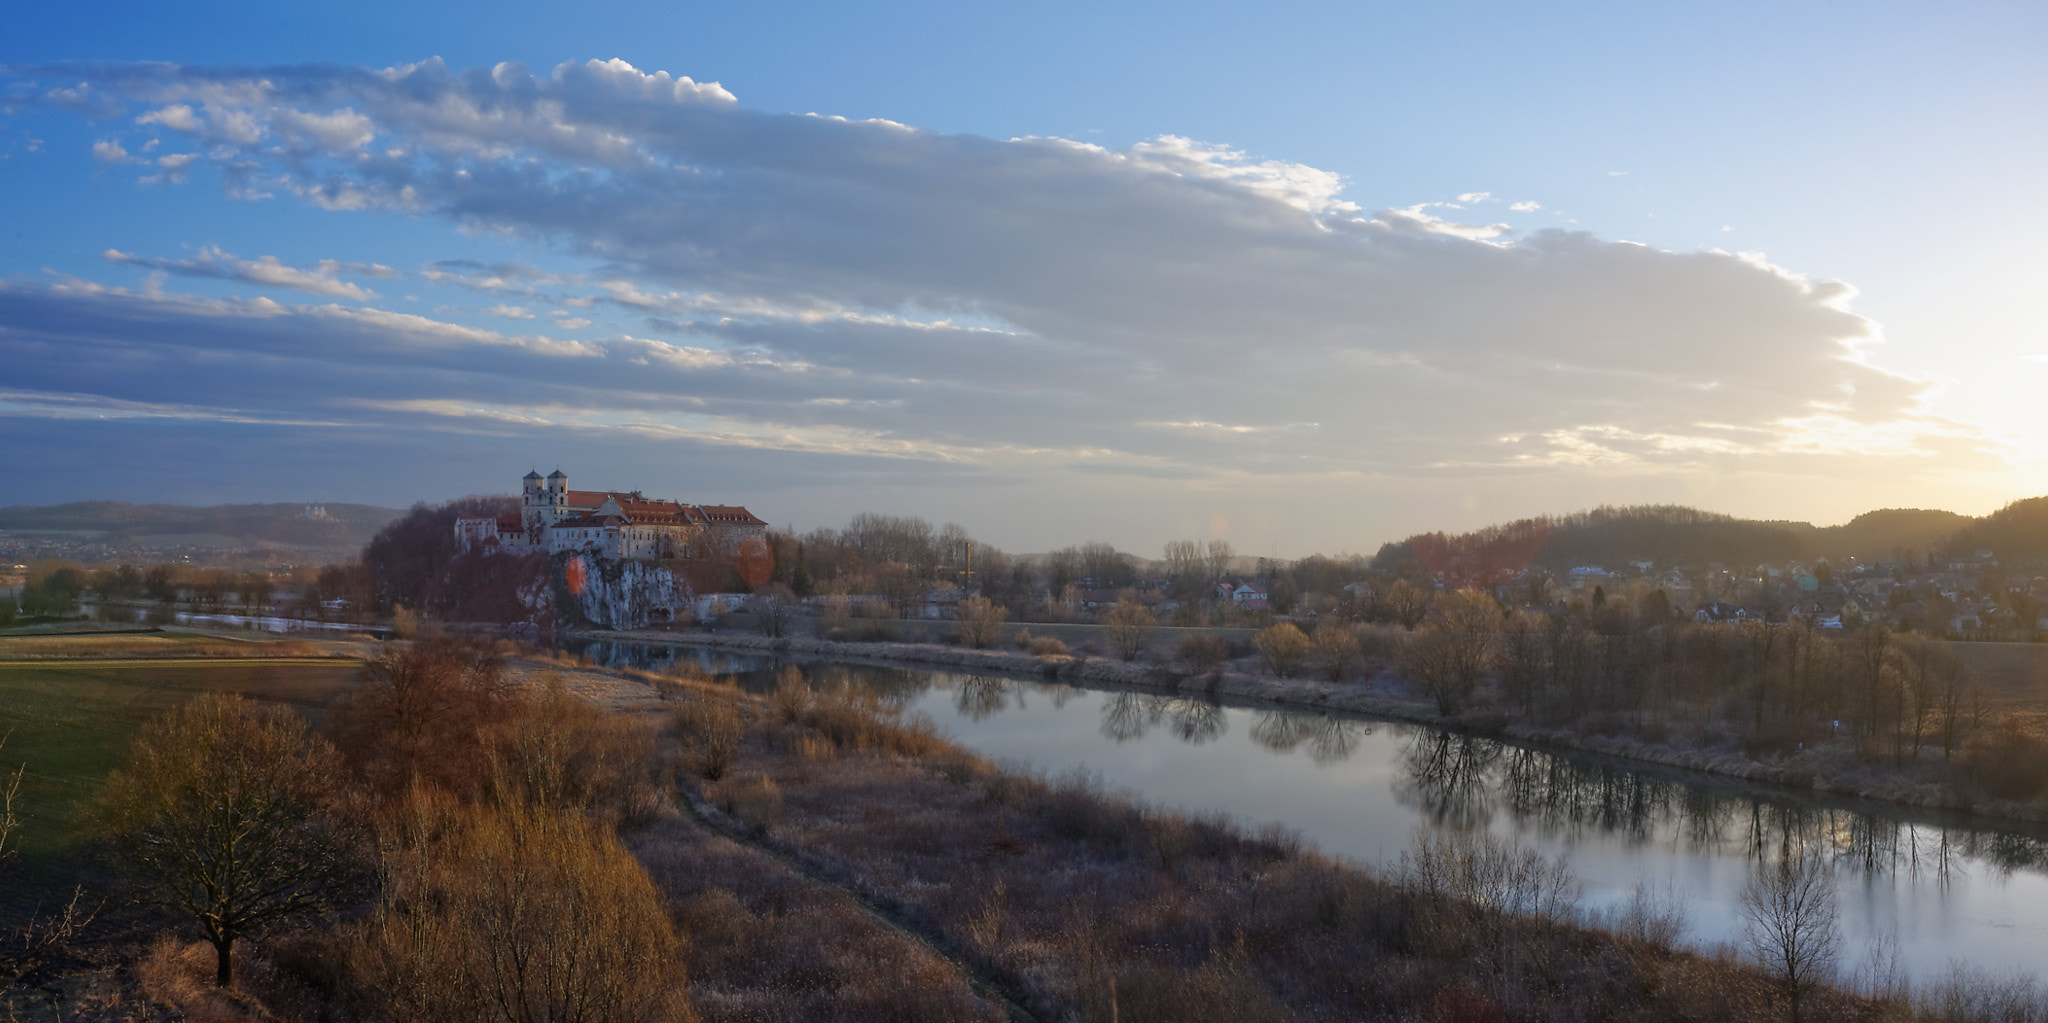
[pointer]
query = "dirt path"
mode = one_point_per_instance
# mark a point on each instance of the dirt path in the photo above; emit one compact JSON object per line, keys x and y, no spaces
{"x":989,"y":989}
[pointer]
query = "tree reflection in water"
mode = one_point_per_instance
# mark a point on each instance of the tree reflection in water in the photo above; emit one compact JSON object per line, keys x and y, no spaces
{"x":1195,"y":721}
{"x":1445,"y":777}
{"x":1329,"y":739}
{"x":978,"y":697}
{"x":1126,"y":716}
{"x":1460,"y":781}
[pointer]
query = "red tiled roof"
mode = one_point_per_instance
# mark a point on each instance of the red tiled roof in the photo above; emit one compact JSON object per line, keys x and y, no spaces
{"x":665,"y":512}
{"x":730,"y":515}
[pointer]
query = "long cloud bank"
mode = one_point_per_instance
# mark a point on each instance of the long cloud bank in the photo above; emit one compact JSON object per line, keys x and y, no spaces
{"x":1170,"y":310}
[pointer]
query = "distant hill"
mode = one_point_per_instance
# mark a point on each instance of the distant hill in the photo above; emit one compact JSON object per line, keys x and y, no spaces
{"x":317,"y":527}
{"x":1893,"y":534}
{"x":1669,"y":535}
{"x":2017,"y":532}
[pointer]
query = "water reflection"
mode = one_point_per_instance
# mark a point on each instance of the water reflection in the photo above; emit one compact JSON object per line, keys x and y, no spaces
{"x":1462,"y":781}
{"x":1326,"y":739}
{"x":977,"y":697}
{"x":1361,"y":788}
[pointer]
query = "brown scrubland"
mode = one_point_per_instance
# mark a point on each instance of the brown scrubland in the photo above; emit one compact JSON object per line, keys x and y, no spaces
{"x":548,"y":841}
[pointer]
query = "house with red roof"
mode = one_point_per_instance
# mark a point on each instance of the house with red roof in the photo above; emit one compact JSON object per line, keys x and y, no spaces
{"x":607,"y":523}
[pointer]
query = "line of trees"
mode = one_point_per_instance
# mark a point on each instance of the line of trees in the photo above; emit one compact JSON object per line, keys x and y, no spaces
{"x":469,"y":828}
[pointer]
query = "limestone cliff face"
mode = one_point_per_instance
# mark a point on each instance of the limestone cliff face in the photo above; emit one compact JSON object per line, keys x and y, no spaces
{"x":591,"y":591}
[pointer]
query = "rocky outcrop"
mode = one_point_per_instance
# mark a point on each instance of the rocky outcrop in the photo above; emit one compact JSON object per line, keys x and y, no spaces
{"x":592,"y":592}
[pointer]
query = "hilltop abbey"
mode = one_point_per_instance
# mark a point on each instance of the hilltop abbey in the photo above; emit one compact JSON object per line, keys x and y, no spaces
{"x":607,"y":523}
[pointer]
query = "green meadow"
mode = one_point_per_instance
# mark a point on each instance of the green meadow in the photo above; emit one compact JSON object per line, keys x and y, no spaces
{"x":70,"y":723}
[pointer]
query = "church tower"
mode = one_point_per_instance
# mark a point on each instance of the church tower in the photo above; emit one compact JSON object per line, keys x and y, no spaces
{"x":530,"y":494}
{"x":558,"y":496}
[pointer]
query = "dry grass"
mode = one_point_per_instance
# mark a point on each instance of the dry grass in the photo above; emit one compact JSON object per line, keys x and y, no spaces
{"x":767,"y":944}
{"x":154,"y":645}
{"x":1094,"y":907}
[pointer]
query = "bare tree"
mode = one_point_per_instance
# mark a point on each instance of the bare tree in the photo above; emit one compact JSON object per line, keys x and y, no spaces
{"x":1448,"y":655}
{"x":1408,"y":603}
{"x":1216,"y":556}
{"x":1338,"y":648}
{"x":1790,"y":922}
{"x":1524,"y":657}
{"x":220,"y":814}
{"x":1128,"y":624}
{"x":981,"y":621}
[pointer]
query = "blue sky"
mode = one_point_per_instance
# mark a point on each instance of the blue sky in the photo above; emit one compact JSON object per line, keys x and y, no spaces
{"x":1309,"y":276}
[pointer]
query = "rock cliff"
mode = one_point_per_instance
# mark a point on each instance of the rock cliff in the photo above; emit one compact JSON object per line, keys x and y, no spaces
{"x":586,"y":591}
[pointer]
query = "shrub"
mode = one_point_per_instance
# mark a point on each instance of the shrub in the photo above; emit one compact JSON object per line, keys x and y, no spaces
{"x":1283,"y":647}
{"x":791,"y":696}
{"x":566,"y":754}
{"x":2010,"y":763}
{"x":981,"y":621}
{"x":711,"y":729}
{"x":1127,"y":625}
{"x":1198,"y":652}
{"x":1338,"y":648}
{"x":514,"y":913}
{"x":877,"y":623}
{"x":1048,"y":646}
{"x":756,"y":800}
{"x":425,"y":711}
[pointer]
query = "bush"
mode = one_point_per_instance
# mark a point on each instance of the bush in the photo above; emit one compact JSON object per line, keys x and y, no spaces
{"x":981,"y":621}
{"x":1127,"y":625}
{"x":1338,"y":648}
{"x":791,"y":696}
{"x":1284,"y":648}
{"x":566,"y":754}
{"x":499,"y":912}
{"x":877,"y":623}
{"x":2010,"y":763}
{"x":756,"y":800}
{"x":1048,"y":646}
{"x":711,"y":729}
{"x":1198,"y":652}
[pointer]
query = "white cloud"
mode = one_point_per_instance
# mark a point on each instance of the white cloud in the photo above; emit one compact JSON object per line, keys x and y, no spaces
{"x":1176,"y":306}
{"x":108,"y":151}
{"x":267,"y":270}
{"x":510,"y":312}
{"x":176,"y":168}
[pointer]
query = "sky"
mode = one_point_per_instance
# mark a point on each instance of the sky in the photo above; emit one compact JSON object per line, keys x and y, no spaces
{"x":1307,"y":277}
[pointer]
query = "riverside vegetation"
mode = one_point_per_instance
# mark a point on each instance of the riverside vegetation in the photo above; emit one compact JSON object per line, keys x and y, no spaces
{"x":1869,"y":711}
{"x":504,"y":848}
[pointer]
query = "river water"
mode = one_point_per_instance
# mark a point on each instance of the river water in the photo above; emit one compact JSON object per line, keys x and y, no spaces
{"x":1939,"y":888}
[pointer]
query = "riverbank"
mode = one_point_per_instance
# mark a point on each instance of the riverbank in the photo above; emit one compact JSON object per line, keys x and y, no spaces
{"x":1824,"y":768}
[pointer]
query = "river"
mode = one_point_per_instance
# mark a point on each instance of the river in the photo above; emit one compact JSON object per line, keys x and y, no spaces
{"x":1939,"y":888}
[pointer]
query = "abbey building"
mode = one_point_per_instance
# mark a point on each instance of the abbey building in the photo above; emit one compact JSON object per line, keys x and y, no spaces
{"x":607,"y":523}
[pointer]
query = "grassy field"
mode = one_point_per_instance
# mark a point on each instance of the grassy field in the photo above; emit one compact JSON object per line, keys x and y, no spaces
{"x":70,"y":722}
{"x":2015,"y":675}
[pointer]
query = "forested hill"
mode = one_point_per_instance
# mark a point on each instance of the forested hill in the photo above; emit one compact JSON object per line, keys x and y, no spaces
{"x":1669,"y":535}
{"x":325,"y":527}
{"x":2018,"y":531}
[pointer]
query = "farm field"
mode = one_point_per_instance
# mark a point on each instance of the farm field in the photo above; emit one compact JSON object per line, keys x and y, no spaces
{"x":70,"y":723}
